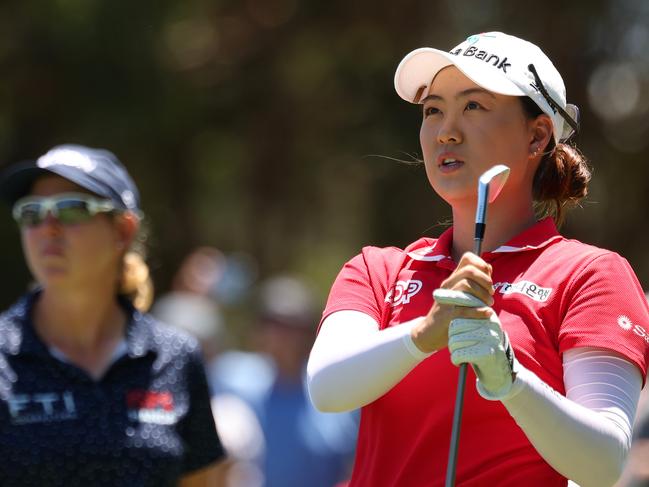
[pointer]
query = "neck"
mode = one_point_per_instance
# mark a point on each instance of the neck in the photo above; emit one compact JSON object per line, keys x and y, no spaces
{"x":79,"y":320}
{"x":504,"y":221}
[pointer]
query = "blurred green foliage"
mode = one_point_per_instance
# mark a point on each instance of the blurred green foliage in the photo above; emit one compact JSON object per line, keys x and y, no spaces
{"x":269,"y":126}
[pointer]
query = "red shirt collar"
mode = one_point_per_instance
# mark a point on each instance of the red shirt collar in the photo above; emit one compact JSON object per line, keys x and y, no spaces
{"x":541,"y":234}
{"x":537,"y":236}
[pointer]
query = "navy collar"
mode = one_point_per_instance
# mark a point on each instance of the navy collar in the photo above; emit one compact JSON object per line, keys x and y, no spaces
{"x":18,"y":336}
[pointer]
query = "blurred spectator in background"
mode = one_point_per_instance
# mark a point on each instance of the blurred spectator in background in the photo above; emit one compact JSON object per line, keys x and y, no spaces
{"x":205,"y":279}
{"x":191,"y":304}
{"x":636,"y":472}
{"x":639,"y":461}
{"x":298,"y":446}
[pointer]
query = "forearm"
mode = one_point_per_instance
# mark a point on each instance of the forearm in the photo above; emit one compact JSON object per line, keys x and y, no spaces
{"x":353,"y":363}
{"x":585,"y":436}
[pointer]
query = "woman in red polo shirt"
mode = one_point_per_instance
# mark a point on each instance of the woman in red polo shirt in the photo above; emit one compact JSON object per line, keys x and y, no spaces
{"x":556,"y":404}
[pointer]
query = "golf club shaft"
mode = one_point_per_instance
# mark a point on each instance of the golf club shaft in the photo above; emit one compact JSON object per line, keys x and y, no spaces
{"x":457,"y":422}
{"x":492,"y":181}
{"x":459,"y":403}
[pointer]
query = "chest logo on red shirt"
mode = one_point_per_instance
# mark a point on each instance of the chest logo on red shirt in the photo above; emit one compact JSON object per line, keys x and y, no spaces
{"x":155,"y":407}
{"x":526,"y":288}
{"x":403,"y":292}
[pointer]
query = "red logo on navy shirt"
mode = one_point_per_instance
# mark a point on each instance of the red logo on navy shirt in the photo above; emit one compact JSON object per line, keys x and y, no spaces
{"x":151,"y":406}
{"x":143,"y":399}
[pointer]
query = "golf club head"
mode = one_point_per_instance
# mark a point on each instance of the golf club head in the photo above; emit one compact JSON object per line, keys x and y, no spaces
{"x":495,"y":178}
{"x":489,"y":186}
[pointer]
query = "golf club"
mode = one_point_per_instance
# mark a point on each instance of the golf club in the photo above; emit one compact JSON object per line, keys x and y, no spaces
{"x":489,"y":186}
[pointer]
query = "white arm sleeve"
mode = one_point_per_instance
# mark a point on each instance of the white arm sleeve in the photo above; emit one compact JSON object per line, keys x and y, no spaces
{"x":352,"y":362}
{"x":586,"y":435}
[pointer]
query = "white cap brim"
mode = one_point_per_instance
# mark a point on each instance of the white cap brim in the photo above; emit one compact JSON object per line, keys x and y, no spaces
{"x":417,"y":70}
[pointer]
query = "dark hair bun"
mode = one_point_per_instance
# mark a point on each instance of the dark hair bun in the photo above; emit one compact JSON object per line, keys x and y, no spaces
{"x":561,"y":181}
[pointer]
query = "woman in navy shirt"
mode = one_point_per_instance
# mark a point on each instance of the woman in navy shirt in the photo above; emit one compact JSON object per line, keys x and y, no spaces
{"x":94,"y":391}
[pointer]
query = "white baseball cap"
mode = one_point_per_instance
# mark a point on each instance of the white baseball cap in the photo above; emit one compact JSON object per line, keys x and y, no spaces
{"x":499,"y":63}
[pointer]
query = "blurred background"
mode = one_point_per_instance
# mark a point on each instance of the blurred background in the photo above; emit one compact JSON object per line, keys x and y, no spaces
{"x":268,"y":128}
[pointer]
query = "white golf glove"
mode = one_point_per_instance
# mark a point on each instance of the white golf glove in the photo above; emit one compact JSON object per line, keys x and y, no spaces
{"x":483,"y":344}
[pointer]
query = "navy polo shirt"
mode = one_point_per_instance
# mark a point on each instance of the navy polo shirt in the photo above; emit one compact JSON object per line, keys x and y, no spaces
{"x":146,"y":422}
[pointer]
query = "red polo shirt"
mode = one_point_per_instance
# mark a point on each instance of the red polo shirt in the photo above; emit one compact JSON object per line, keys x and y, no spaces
{"x":552,"y":294}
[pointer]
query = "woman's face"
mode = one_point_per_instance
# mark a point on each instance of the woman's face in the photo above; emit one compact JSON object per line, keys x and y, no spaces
{"x":466,"y":130}
{"x":73,"y":256}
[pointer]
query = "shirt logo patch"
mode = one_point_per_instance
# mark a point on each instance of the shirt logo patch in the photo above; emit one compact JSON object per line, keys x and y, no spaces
{"x":626,"y":324}
{"x":403,"y":292}
{"x":151,"y":406}
{"x":526,"y":288}
{"x":42,"y":407}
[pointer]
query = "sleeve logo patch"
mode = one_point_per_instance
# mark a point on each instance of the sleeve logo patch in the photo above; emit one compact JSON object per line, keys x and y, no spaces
{"x":626,"y":324}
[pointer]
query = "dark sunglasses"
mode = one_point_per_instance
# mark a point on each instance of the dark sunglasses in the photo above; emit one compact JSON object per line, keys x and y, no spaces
{"x":67,"y":208}
{"x":572,"y":119}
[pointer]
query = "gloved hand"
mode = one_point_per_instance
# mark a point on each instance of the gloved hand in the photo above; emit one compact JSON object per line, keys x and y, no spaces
{"x":483,"y":344}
